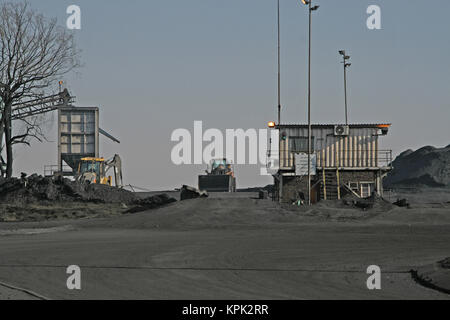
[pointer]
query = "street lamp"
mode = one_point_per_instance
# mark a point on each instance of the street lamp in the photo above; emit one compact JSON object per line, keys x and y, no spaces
{"x":346,"y":64}
{"x":311,"y":8}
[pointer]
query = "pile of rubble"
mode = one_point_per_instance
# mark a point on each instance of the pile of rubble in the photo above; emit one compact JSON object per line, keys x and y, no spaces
{"x":445,"y":263}
{"x":372,"y":202}
{"x":150,"y":203}
{"x":188,"y":192}
{"x":38,"y":189}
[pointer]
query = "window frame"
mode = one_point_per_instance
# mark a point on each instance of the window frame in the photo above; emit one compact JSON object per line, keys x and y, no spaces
{"x":291,"y":139}
{"x":371,"y":188}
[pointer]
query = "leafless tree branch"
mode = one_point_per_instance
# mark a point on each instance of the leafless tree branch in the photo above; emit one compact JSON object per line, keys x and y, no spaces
{"x":34,"y":53}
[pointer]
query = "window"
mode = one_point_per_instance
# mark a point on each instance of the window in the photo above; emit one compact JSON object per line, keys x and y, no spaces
{"x":90,"y":166}
{"x":354,"y":186}
{"x":366,"y":189}
{"x":300,"y":144}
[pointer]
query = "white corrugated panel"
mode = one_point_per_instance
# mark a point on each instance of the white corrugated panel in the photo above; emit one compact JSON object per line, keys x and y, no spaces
{"x":357,"y":150}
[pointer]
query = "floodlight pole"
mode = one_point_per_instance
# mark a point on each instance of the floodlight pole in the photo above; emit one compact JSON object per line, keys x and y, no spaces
{"x":279,"y":65}
{"x":309,"y":105}
{"x":345,"y":92}
{"x":346,"y":65}
{"x":310,"y":10}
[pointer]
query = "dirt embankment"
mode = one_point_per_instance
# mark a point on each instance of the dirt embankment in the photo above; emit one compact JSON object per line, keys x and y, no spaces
{"x":428,"y":166}
{"x":435,"y":276}
{"x":42,"y":198}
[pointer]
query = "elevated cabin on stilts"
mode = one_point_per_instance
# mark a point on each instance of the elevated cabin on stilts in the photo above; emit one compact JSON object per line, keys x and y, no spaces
{"x":344,"y":159}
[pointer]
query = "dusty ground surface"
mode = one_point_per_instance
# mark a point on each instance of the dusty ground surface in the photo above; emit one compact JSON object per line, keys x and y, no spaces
{"x":58,"y":210}
{"x":13,"y":293}
{"x":231,"y":247}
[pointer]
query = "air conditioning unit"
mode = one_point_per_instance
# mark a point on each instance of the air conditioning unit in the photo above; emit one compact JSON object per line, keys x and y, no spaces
{"x":341,"y":130}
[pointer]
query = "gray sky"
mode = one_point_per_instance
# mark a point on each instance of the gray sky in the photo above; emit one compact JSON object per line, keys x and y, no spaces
{"x":155,"y":66}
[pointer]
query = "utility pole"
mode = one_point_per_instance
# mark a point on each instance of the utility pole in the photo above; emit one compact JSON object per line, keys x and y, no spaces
{"x":279,"y":65}
{"x":310,"y":10}
{"x":346,"y":65}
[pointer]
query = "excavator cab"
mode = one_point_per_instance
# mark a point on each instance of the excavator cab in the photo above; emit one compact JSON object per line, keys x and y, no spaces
{"x":92,"y":170}
{"x":220,"y":178}
{"x":221,"y":167}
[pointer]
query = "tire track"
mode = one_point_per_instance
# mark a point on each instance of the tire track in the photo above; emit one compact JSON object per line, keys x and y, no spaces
{"x":26,"y":291}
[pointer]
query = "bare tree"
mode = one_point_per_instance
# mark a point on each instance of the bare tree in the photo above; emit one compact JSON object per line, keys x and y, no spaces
{"x":2,"y":161}
{"x":34,"y":53}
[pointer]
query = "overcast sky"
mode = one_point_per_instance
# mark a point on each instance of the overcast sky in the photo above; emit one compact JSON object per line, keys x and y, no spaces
{"x":155,"y":66}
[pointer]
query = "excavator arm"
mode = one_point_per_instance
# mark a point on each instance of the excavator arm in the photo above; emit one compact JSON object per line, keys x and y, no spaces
{"x":116,"y":163}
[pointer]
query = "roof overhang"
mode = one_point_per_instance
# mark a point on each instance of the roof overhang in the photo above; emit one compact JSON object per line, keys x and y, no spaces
{"x":325,"y":126}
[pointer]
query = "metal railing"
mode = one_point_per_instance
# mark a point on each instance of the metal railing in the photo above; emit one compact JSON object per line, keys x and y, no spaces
{"x":41,"y":105}
{"x":341,"y":159}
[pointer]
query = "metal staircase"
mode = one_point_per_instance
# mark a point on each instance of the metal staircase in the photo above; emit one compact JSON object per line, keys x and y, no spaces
{"x":330,"y":190}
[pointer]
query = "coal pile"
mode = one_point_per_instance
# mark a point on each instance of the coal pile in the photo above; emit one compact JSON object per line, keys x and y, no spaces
{"x":428,"y":166}
{"x":188,"y":192}
{"x":445,"y":263}
{"x":270,"y":188}
{"x":373,"y":202}
{"x":401,"y":203}
{"x":151,"y":203}
{"x":38,"y":189}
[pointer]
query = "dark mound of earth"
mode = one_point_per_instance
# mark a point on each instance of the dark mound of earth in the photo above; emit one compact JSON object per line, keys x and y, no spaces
{"x":38,"y":189}
{"x":435,"y":276}
{"x":428,"y":166}
{"x":269,"y":188}
{"x":372,"y":202}
{"x":445,"y":263}
{"x":151,"y":203}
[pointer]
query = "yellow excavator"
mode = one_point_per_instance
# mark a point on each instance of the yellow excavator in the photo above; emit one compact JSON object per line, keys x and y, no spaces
{"x":94,"y":170}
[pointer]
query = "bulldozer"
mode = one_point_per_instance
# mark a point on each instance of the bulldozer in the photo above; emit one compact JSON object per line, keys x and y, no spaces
{"x":94,"y":170}
{"x":219,"y":178}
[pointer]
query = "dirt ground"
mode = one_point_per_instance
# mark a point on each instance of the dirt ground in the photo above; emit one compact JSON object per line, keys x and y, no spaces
{"x":233,"y":246}
{"x":58,"y":211}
